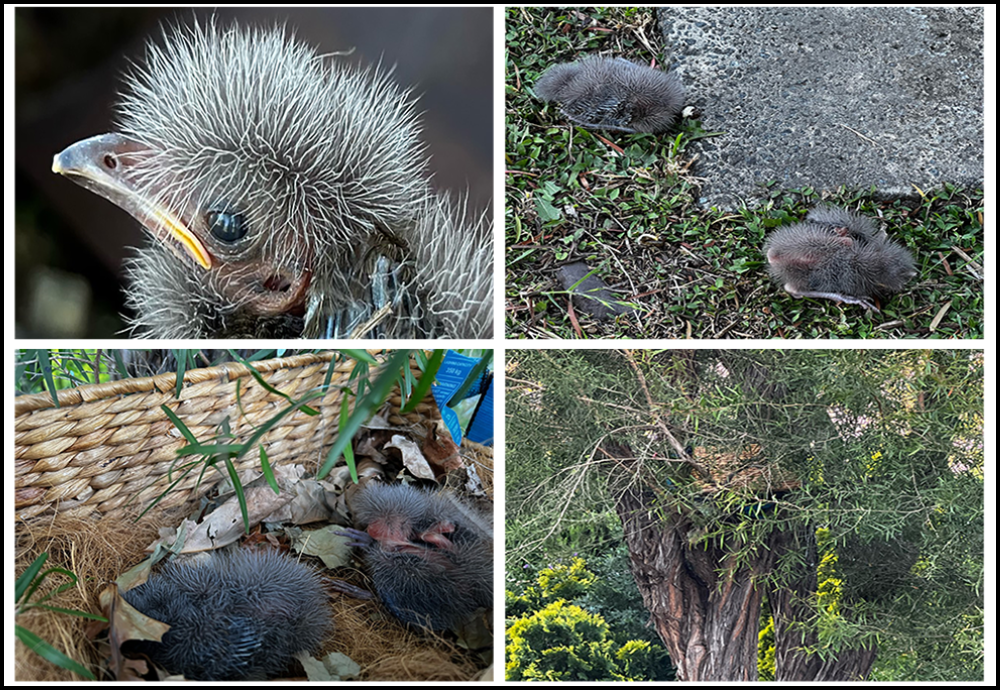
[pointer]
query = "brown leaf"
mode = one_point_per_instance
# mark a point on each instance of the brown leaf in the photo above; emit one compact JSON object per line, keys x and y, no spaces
{"x":225,"y":524}
{"x":476,"y":632}
{"x":127,"y":623}
{"x":413,"y":459}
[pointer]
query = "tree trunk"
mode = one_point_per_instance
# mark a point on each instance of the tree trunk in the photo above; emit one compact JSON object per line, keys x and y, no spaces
{"x":705,"y":610}
{"x":792,"y":610}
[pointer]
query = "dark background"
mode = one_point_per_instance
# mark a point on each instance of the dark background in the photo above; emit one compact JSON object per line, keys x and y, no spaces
{"x":70,"y":243}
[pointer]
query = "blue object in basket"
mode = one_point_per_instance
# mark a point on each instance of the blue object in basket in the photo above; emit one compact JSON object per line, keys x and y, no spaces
{"x":450,"y":377}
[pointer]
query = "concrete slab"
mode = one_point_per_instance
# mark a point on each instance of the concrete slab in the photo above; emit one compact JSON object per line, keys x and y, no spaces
{"x":823,"y":97}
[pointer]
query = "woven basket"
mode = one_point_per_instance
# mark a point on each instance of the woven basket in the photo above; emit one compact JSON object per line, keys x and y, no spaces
{"x":108,"y":443}
{"x":105,"y":452}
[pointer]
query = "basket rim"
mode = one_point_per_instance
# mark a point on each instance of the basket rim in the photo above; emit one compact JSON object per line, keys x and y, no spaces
{"x":167,"y":381}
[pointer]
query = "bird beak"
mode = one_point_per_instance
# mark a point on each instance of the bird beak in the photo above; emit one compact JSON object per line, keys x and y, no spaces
{"x":102,"y":164}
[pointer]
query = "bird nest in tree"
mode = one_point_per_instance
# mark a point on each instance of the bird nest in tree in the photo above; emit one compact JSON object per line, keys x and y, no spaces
{"x":747,"y":470}
{"x":85,"y":471}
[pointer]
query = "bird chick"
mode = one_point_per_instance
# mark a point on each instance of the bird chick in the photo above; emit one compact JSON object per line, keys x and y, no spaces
{"x":835,"y":254}
{"x":430,"y":556}
{"x":613,"y":93}
{"x":287,"y":195}
{"x":233,"y":617}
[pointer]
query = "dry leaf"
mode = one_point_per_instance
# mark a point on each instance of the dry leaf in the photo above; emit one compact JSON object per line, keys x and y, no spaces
{"x":224,"y":525}
{"x":127,"y":623}
{"x":333,"y":667}
{"x":413,"y":459}
{"x":334,"y":549}
{"x":476,"y":633}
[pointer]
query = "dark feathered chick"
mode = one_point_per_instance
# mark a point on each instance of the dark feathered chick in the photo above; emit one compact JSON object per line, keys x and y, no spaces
{"x":835,"y":254}
{"x":613,"y":93}
{"x":429,"y":555}
{"x":288,"y":195}
{"x":233,"y":617}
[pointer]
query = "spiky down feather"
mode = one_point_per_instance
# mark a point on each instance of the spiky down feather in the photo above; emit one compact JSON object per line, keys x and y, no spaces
{"x":308,"y":149}
{"x":613,"y":93}
{"x":323,"y":162}
{"x":426,"y":585}
{"x":233,"y":617}
{"x":839,"y":252}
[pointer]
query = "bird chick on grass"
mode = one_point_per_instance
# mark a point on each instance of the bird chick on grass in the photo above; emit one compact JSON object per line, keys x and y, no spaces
{"x":613,"y":93}
{"x":835,"y":254}
{"x":233,"y":617}
{"x":429,"y":555}
{"x":287,"y":194}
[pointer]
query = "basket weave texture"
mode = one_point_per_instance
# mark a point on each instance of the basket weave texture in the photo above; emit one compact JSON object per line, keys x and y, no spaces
{"x":108,"y":443}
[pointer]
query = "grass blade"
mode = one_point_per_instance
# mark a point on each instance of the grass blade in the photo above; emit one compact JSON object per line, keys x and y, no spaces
{"x":424,"y":384}
{"x":50,"y":653}
{"x":265,"y":466}
{"x":181,"y":357}
{"x":26,"y":578}
{"x":472,"y":378}
{"x":365,"y":408}
{"x":46,"y":366}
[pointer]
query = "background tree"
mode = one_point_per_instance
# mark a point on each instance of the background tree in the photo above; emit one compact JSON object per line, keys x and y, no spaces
{"x":725,"y":466}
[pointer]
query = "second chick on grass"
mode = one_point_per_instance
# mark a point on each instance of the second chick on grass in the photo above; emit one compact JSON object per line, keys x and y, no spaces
{"x":429,"y":555}
{"x":239,"y":616}
{"x":836,"y":254}
{"x":613,"y":93}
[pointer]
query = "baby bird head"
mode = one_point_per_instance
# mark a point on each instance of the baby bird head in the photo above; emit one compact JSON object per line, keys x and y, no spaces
{"x":255,"y":160}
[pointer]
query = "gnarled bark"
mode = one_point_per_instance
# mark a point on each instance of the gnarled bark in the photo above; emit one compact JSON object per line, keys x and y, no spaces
{"x":705,"y":609}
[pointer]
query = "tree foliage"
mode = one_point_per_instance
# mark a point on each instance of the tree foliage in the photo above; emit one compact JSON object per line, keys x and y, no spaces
{"x":554,"y":635}
{"x":561,"y":642}
{"x":860,"y":469}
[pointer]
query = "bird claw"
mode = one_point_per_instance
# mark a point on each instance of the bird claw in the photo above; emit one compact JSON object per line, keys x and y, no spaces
{"x":350,"y":590}
{"x":837,"y":297}
{"x":356,"y":537}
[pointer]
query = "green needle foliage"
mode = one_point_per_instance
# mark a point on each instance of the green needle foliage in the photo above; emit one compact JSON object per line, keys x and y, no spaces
{"x":873,"y":459}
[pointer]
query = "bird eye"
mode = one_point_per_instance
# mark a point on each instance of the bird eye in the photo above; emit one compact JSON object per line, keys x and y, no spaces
{"x":226,"y":227}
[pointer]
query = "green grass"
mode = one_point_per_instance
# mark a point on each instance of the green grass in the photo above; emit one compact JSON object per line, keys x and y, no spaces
{"x":627,"y":205}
